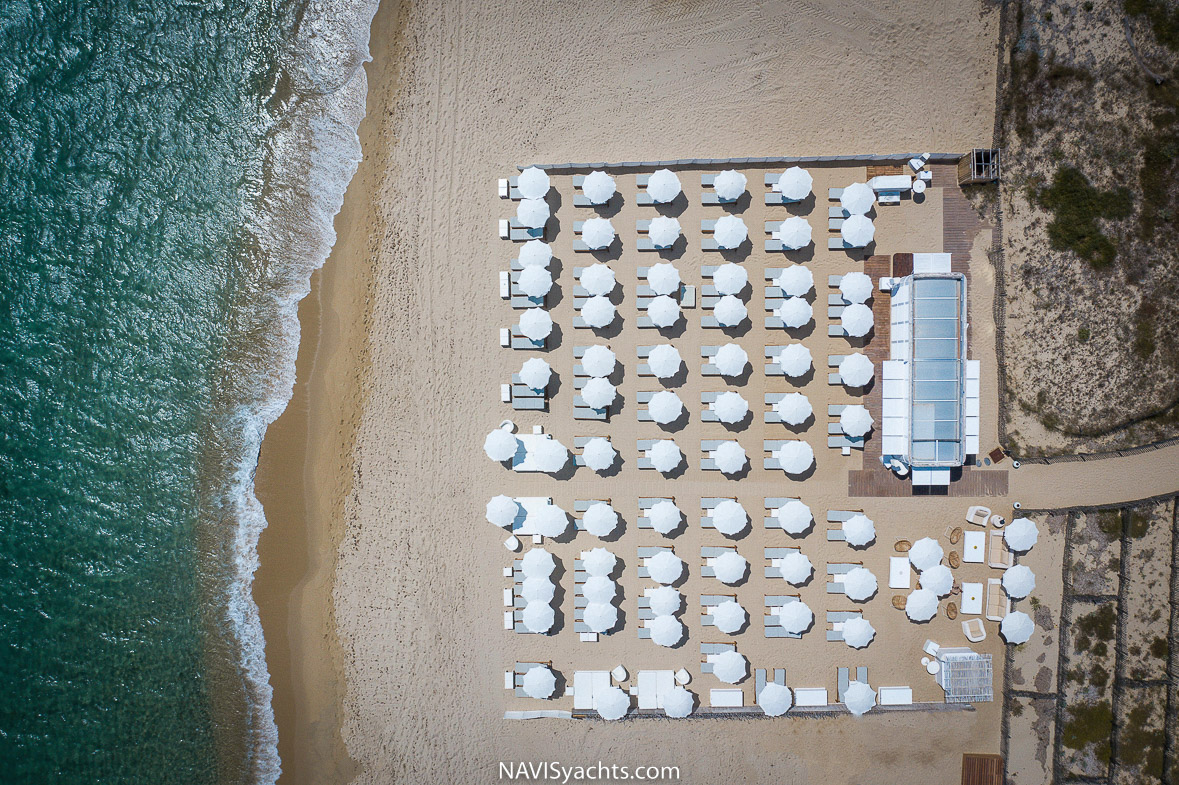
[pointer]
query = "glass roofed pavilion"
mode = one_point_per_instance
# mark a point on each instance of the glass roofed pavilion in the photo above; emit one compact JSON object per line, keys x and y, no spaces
{"x":931,"y":391}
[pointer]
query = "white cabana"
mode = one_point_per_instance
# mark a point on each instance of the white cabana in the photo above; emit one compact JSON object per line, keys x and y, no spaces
{"x":730,"y":407}
{"x":921,"y":605}
{"x":665,"y":601}
{"x":538,"y":617}
{"x":598,"y":393}
{"x":665,"y":361}
{"x":857,"y":198}
{"x":1018,"y":581}
{"x":795,"y":360}
{"x":598,"y":279}
{"x":600,"y":617}
{"x":730,"y":667}
{"x":536,"y":324}
{"x":794,"y":312}
{"x":665,"y":456}
{"x":731,"y":360}
{"x":550,"y":456}
{"x":598,"y":454}
{"x":794,"y":184}
{"x":796,"y":568}
{"x":730,"y":457}
{"x":538,"y":589}
{"x":925,"y":553}
{"x":598,"y":187}
{"x":855,"y":286}
{"x":730,"y":231}
{"x":535,"y":373}
{"x":1021,"y":534}
{"x":729,"y":617}
{"x":663,"y":186}
{"x":859,"y":698}
{"x":795,"y":456}
{"x":665,"y":407}
{"x":730,"y":567}
{"x":600,"y":519}
{"x":597,"y":233}
{"x":502,"y":510}
{"x":537,"y":563}
{"x":729,"y":184}
{"x":855,"y":421}
{"x":859,"y":530}
{"x":795,"y":281}
{"x":533,"y":213}
{"x":598,"y":361}
{"x":612,"y":704}
{"x":599,"y":562}
{"x":794,"y":517}
{"x":535,"y":281}
{"x":794,"y":408}
{"x":859,"y":584}
{"x":730,"y":518}
{"x":549,"y":520}
{"x":501,"y":444}
{"x":795,"y":617}
{"x":663,"y":311}
{"x":795,"y":233}
{"x":664,"y":278}
{"x":664,"y":231}
{"x":857,"y":320}
{"x":666,"y":630}
{"x":937,"y":579}
{"x":598,"y":312}
{"x":730,"y":311}
{"x":539,"y":682}
{"x":533,"y":183}
{"x":536,"y":253}
{"x":858,"y":632}
{"x":1016,"y":627}
{"x":679,"y":702}
{"x":730,"y":278}
{"x":856,"y":370}
{"x":665,"y":567}
{"x":665,"y":517}
{"x":858,"y":231}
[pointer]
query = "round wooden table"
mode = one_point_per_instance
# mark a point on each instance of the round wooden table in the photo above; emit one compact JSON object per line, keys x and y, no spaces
{"x":955,"y":560}
{"x":956,"y":535}
{"x":899,"y":601}
{"x":951,"y":610}
{"x":902,"y":546}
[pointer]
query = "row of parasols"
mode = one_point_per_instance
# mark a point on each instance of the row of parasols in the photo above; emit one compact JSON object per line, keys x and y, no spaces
{"x":663,"y":185}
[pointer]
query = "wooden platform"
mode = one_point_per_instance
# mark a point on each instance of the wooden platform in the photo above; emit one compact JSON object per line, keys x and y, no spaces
{"x":982,"y":769}
{"x":886,"y":170}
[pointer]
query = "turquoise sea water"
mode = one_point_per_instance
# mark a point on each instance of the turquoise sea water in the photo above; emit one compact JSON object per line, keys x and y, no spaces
{"x":167,"y":179}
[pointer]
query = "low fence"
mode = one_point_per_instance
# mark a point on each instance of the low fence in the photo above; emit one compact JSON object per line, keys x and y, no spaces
{"x":892,"y":158}
{"x":1100,"y":456}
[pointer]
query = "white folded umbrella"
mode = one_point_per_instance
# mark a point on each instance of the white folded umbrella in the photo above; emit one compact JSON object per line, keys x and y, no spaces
{"x":1021,"y":534}
{"x":855,"y":421}
{"x":598,"y":454}
{"x":795,"y":183}
{"x":794,"y":517}
{"x":859,"y":530}
{"x":795,"y":281}
{"x":665,"y":601}
{"x":730,"y":567}
{"x":774,"y":699}
{"x":601,"y":616}
{"x":858,"y":632}
{"x":663,"y":311}
{"x":1016,"y":627}
{"x":537,"y":563}
{"x":795,"y":360}
{"x":859,"y":698}
{"x":730,"y":231}
{"x":921,"y":605}
{"x":731,"y":359}
{"x":501,"y":444}
{"x":533,"y":183}
{"x":665,"y":567}
{"x":665,"y":517}
{"x":664,"y":278}
{"x":550,"y":456}
{"x":599,"y":562}
{"x":857,"y":320}
{"x":665,"y":407}
{"x":538,"y":589}
{"x":857,"y":198}
{"x":730,"y":278}
{"x":938,"y":579}
{"x":855,"y":286}
{"x":730,"y":311}
{"x":679,"y":702}
{"x":730,"y":457}
{"x":502,"y":510}
{"x":795,"y":457}
{"x":598,"y":311}
{"x":549,"y":520}
{"x":730,"y":407}
{"x":856,"y":370}
{"x":598,"y":393}
{"x":666,"y":630}
{"x":536,"y":253}
{"x":600,"y":519}
{"x":665,"y":361}
{"x":729,"y":617}
{"x":598,"y":279}
{"x":729,"y":184}
{"x":794,"y":312}
{"x":597,"y":233}
{"x":665,"y":456}
{"x":859,"y":584}
{"x":535,"y":281}
{"x":795,"y":616}
{"x":794,"y":408}
{"x":538,"y":617}
{"x":795,"y":567}
{"x":598,"y":187}
{"x":613,"y":704}
{"x":795,"y":233}
{"x":664,"y":231}
{"x":536,"y":373}
{"x":539,"y":682}
{"x":533,"y":213}
{"x":1018,"y":581}
{"x":598,"y":360}
{"x":858,"y":231}
{"x":730,"y":518}
{"x":925,"y":553}
{"x":663,"y":186}
{"x":536,"y":324}
{"x":730,"y":667}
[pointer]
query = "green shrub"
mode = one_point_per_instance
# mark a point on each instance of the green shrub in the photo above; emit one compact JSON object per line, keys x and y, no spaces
{"x":1076,"y":205}
{"x":1083,"y":334}
{"x":1089,"y":723}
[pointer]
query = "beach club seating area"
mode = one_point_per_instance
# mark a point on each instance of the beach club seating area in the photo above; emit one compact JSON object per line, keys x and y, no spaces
{"x":690,"y":364}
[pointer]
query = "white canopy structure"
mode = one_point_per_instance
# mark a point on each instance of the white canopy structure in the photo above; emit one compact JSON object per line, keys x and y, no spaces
{"x":859,"y":530}
{"x":600,"y":617}
{"x":598,"y":187}
{"x":730,"y":407}
{"x":857,"y":198}
{"x":663,"y":311}
{"x":1016,"y":627}
{"x":855,"y":286}
{"x":600,"y":519}
{"x":729,"y":617}
{"x":795,"y":360}
{"x":536,"y":324}
{"x":937,"y":579}
{"x":730,"y":311}
{"x":533,"y":183}
{"x":598,"y":393}
{"x":730,"y":457}
{"x":539,"y":682}
{"x":535,"y":373}
{"x":598,"y":279}
{"x":795,"y":617}
{"x":795,"y":281}
{"x":795,"y":233}
{"x":664,"y":278}
{"x":665,"y":567}
{"x":796,"y":568}
{"x":730,"y":667}
{"x":533,"y":213}
{"x":855,"y":421}
{"x":599,"y":562}
{"x":665,"y":456}
{"x":664,"y":231}
{"x":859,"y":584}
{"x":858,"y":632}
{"x":730,"y":278}
{"x":858,"y":231}
{"x":665,"y":407}
{"x":1018,"y":581}
{"x":925,"y":553}
{"x":598,"y":361}
{"x":794,"y":517}
{"x":665,"y":517}
{"x":856,"y":369}
{"x":731,"y":359}
{"x":794,"y":184}
{"x":921,"y":605}
{"x":1021,"y":534}
{"x":774,"y":699}
{"x":598,"y":312}
{"x":859,"y":698}
{"x":550,"y":456}
{"x":501,"y":445}
{"x":857,"y":319}
{"x":536,"y":253}
{"x":502,"y":510}
{"x":795,"y":456}
{"x":538,"y":617}
{"x":598,"y":454}
{"x":730,"y":518}
{"x":666,"y":630}
{"x":730,"y":231}
{"x":794,"y":312}
{"x":680,"y":702}
{"x":537,"y":563}
{"x":665,"y":361}
{"x":665,"y":601}
{"x":794,"y":408}
{"x":663,"y":186}
{"x":597,"y":233}
{"x":535,"y":281}
{"x":549,"y":520}
{"x":730,"y":567}
{"x":729,"y":184}
{"x":613,"y":704}
{"x":538,"y":590}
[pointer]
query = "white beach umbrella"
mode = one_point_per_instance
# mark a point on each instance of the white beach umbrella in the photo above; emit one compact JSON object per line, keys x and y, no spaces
{"x":795,"y":616}
{"x":730,"y":457}
{"x":598,"y":454}
{"x":796,"y":568}
{"x":665,"y":567}
{"x":549,"y":521}
{"x":775,"y":699}
{"x":730,"y":667}
{"x":857,"y":320}
{"x":858,"y":231}
{"x":613,"y":704}
{"x":537,"y":563}
{"x":598,"y":279}
{"x":663,"y":311}
{"x":795,"y":183}
{"x":1021,"y":534}
{"x":599,"y":562}
{"x":794,"y":408}
{"x":665,"y":456}
{"x":679,"y":702}
{"x":859,"y":698}
{"x":501,"y":444}
{"x":536,"y":324}
{"x":502,"y":510}
{"x":730,"y":278}
{"x":536,"y":373}
{"x":533,"y":213}
{"x":795,"y":281}
{"x":859,"y":530}
{"x":598,"y":312}
{"x":665,"y":601}
{"x":601,"y":616}
{"x":598,"y":393}
{"x":1018,"y":581}
{"x":857,"y":198}
{"x":795,"y":456}
{"x":794,"y":312}
{"x":859,"y":584}
{"x":538,"y":617}
{"x":665,"y":407}
{"x":600,"y":519}
{"x":730,"y":518}
{"x":730,"y":231}
{"x":937,"y":579}
{"x":730,"y":407}
{"x":1016,"y":627}
{"x":664,"y":231}
{"x":536,"y":253}
{"x":535,"y":281}
{"x":925,"y":553}
{"x":794,"y":517}
{"x":730,"y":567}
{"x":550,"y":456}
{"x":795,"y":360}
{"x":538,"y":589}
{"x":729,"y":617}
{"x":533,"y":183}
{"x":664,"y":278}
{"x":729,"y":184}
{"x":730,"y":311}
{"x":666,"y":630}
{"x":731,"y":359}
{"x":858,"y":632}
{"x":856,"y":370}
{"x":921,"y":605}
{"x":855,"y":286}
{"x":597,"y":233}
{"x":663,"y":186}
{"x":795,"y":233}
{"x":539,"y":682}
{"x":598,"y":361}
{"x":665,"y":517}
{"x":855,"y":421}
{"x":665,"y":361}
{"x":598,"y":187}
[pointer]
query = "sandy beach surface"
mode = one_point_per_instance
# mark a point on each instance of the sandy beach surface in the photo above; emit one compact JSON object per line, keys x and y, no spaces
{"x":380,"y":586}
